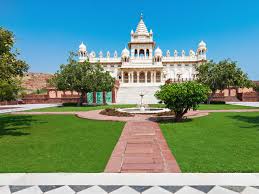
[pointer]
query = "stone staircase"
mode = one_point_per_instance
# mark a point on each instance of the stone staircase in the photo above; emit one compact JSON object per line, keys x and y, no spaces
{"x":131,"y":95}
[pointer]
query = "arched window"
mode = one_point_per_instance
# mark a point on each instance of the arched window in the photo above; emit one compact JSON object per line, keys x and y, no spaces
{"x":148,"y":76}
{"x":141,"y":53}
{"x":136,"y":53}
{"x":126,"y":77}
{"x":147,"y":52}
{"x":135,"y":77}
{"x":142,"y":77}
{"x":158,"y":76}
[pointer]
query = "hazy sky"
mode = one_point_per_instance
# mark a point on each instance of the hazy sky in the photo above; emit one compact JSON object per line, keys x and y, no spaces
{"x":47,"y":30}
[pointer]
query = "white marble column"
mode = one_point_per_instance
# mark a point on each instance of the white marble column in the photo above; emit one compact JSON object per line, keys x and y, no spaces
{"x":122,"y":76}
{"x":138,"y":77}
{"x":145,"y":76}
{"x":155,"y":76}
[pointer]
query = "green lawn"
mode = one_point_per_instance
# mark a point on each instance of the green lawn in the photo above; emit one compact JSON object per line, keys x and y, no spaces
{"x":223,"y":107}
{"x":87,"y":108}
{"x":220,"y":142}
{"x":81,"y":108}
{"x":214,"y":106}
{"x":55,"y":143}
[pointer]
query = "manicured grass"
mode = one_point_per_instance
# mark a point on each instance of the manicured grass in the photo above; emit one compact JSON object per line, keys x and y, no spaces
{"x":220,"y":142}
{"x":55,"y":143}
{"x":214,"y":106}
{"x":81,"y":108}
{"x":223,"y":107}
{"x":98,"y":107}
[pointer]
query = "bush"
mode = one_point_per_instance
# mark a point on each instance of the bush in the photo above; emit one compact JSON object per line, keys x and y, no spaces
{"x":217,"y":102}
{"x":69,"y":104}
{"x":181,"y":97}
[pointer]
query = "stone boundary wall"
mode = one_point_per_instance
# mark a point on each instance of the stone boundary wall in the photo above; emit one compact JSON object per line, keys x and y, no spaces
{"x":248,"y":97}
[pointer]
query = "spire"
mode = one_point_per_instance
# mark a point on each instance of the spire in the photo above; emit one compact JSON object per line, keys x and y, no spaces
{"x":141,"y":28}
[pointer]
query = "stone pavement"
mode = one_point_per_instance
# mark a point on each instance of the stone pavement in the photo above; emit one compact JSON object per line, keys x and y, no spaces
{"x":142,"y":148}
{"x":255,"y":104}
{"x":24,"y":107}
{"x":129,"y":183}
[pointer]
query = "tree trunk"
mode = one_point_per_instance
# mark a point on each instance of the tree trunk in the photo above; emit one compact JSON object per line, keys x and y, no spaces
{"x":179,"y":115}
{"x":211,"y":96}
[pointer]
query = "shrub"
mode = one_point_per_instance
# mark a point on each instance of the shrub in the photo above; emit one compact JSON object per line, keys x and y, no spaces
{"x":181,"y":97}
{"x":217,"y":102}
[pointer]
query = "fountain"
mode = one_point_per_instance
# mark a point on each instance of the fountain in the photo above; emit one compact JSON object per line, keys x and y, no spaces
{"x":142,"y":109}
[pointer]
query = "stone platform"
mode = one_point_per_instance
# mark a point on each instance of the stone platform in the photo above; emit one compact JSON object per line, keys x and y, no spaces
{"x":104,"y":183}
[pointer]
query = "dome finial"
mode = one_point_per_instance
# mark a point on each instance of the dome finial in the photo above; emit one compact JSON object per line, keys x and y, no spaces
{"x":141,"y":16}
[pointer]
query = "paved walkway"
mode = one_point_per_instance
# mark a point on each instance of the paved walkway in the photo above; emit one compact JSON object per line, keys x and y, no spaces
{"x":255,"y":104}
{"x":23,"y":107}
{"x":142,"y":148}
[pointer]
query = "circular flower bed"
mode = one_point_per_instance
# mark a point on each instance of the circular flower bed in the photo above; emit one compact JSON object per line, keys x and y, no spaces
{"x":114,"y":112}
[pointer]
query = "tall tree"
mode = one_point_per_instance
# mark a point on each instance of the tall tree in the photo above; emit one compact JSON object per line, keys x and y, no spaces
{"x":82,"y":77}
{"x":222,"y":75}
{"x":12,"y":68}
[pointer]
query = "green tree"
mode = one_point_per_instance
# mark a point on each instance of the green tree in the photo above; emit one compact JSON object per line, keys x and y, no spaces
{"x":12,"y":69}
{"x":222,"y":75}
{"x":82,"y":77}
{"x":181,"y":97}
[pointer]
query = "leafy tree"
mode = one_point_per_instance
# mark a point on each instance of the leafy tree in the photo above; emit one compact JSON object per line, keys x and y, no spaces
{"x":82,"y":77}
{"x":222,"y":75}
{"x":11,"y":67}
{"x":181,"y":97}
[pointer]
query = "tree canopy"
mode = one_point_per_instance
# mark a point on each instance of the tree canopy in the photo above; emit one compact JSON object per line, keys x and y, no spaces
{"x":82,"y":77}
{"x":181,"y":97}
{"x":222,"y":75}
{"x":12,"y":68}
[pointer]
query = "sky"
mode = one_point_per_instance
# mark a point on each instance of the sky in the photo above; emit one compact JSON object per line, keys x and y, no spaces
{"x":47,"y":30}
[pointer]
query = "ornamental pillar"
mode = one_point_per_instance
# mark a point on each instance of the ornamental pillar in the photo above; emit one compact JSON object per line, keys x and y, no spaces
{"x":138,"y":77}
{"x":145,"y":76}
{"x":155,"y":76}
{"x":122,"y":77}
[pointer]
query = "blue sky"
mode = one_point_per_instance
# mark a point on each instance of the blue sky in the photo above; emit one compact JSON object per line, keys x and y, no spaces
{"x":47,"y":30}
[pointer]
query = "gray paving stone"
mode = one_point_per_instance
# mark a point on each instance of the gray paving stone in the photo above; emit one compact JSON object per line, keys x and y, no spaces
{"x":78,"y":188}
{"x":15,"y":188}
{"x":30,"y":190}
{"x":235,"y":188}
{"x":46,"y":188}
{"x":110,"y":188}
{"x":140,"y":188}
{"x":172,"y":189}
{"x":221,"y":190}
{"x":203,"y":188}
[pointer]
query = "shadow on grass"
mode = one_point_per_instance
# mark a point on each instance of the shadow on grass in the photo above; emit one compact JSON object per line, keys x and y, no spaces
{"x":12,"y":125}
{"x":254,"y":120}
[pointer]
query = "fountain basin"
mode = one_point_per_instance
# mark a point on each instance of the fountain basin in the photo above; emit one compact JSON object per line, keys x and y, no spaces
{"x":143,"y":110}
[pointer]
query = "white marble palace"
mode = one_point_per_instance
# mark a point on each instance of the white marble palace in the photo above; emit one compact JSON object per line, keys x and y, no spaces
{"x":143,"y":66}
